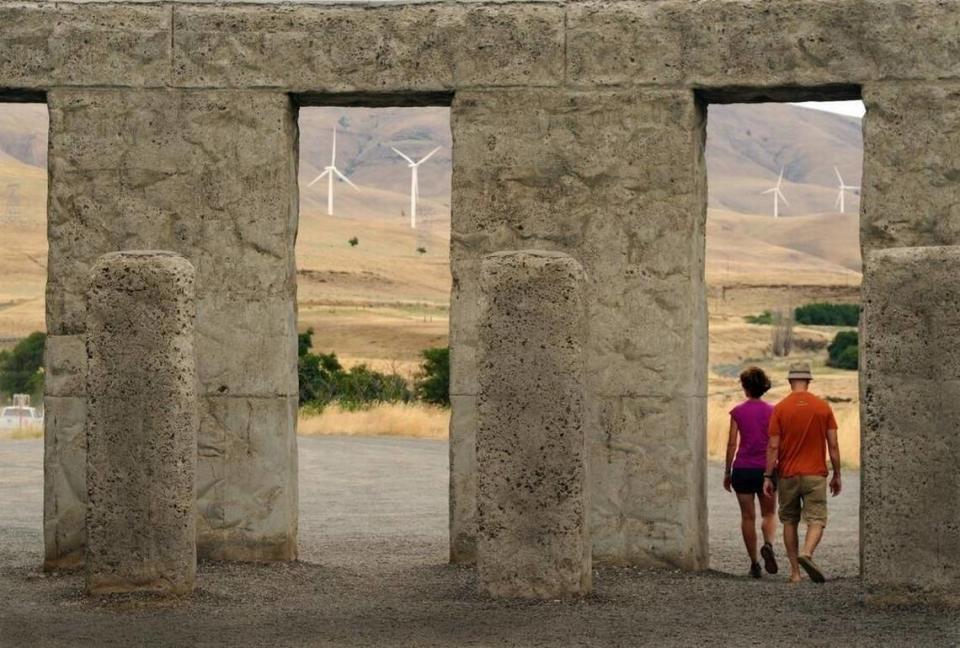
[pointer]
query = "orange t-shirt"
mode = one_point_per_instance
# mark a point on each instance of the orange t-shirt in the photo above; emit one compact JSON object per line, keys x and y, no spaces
{"x":801,"y":420}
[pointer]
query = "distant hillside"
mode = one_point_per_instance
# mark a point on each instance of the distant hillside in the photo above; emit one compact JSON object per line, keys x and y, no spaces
{"x":746,"y":146}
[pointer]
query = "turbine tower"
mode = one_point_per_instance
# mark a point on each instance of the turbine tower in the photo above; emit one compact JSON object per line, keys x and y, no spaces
{"x":414,"y":182}
{"x":843,"y":187}
{"x":330,"y":171}
{"x":777,"y":195}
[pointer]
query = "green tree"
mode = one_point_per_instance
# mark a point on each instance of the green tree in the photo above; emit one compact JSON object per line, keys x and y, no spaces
{"x":21,"y":368}
{"x":844,"y":351}
{"x":433,"y":380}
{"x":353,"y":241}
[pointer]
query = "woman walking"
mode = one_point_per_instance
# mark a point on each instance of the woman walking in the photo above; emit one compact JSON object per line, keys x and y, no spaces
{"x":745,"y":463}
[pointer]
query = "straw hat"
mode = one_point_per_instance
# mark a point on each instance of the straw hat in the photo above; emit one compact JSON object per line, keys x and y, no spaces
{"x":799,"y":371}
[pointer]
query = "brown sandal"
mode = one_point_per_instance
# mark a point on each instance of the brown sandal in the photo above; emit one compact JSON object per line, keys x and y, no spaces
{"x":811,"y":568}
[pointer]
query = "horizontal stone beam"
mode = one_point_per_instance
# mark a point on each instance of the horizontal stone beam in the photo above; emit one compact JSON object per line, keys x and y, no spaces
{"x":371,"y":51}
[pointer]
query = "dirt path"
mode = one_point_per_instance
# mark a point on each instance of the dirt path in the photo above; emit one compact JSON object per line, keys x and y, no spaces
{"x":373,"y":572}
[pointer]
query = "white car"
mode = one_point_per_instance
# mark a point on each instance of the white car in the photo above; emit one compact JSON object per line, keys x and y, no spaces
{"x":17,"y":418}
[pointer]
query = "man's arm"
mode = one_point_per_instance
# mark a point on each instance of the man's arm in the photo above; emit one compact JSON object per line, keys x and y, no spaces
{"x":773,"y":453}
{"x":834,"y":448}
{"x":731,"y":452}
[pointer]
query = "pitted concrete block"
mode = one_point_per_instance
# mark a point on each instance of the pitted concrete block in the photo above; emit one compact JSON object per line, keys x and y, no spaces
{"x":533,"y":540}
{"x":142,"y":424}
{"x":48,"y":44}
{"x":910,"y":165}
{"x":617,"y":179}
{"x":247,"y":478}
{"x":723,"y":43}
{"x":212,"y":176}
{"x":65,"y":365}
{"x":64,"y":480}
{"x":343,"y":49}
{"x":463,"y":479}
{"x":250,"y":347}
{"x":647,"y":489}
{"x":910,"y":412}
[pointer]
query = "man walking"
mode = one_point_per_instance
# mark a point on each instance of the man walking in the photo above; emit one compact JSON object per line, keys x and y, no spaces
{"x":802,"y":429}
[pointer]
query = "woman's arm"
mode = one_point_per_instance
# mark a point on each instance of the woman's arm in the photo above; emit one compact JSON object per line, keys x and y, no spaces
{"x":731,"y":452}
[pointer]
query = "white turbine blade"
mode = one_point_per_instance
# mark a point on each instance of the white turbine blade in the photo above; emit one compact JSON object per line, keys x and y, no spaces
{"x":839,"y":177}
{"x":852,"y":188}
{"x":769,"y":190}
{"x":427,"y":156}
{"x":312,"y":182}
{"x":836,"y":203}
{"x":333,"y":153}
{"x":780,"y":178}
{"x":403,"y":156}
{"x":345,"y":179}
{"x":782,"y":197}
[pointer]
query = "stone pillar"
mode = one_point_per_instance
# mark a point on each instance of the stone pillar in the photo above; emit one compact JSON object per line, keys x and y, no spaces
{"x":211,"y":175}
{"x":533,"y":540}
{"x":910,"y":386}
{"x":142,"y":421}
{"x":616,"y":179}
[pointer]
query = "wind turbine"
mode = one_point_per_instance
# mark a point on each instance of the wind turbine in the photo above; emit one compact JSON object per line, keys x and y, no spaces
{"x":414,"y":182}
{"x":843,"y":187}
{"x":330,"y":171}
{"x":777,"y":195}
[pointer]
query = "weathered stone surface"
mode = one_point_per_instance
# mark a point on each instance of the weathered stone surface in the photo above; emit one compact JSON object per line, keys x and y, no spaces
{"x":910,"y":382}
{"x":121,"y":163}
{"x":405,"y":48}
{"x":910,"y":165}
{"x":533,"y":540}
{"x":44,"y":44}
{"x":463,"y":479}
{"x":64,"y":480}
{"x":212,"y":176}
{"x":65,"y":365}
{"x":142,"y":422}
{"x":615,"y":178}
{"x":247,"y":478}
{"x":719,"y":43}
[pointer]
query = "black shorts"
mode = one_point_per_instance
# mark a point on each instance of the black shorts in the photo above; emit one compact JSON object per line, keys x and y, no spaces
{"x":747,"y":480}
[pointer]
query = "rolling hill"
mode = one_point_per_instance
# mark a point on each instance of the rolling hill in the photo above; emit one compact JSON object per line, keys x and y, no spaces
{"x":746,"y":146}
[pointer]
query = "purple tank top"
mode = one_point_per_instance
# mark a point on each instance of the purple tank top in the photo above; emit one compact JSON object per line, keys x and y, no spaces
{"x":753,"y":420}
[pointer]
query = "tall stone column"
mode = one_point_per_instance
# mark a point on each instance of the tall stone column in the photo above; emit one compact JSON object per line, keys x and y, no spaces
{"x":533,"y":538}
{"x":142,"y":420}
{"x":910,"y":386}
{"x":616,"y":179}
{"x":211,"y":175}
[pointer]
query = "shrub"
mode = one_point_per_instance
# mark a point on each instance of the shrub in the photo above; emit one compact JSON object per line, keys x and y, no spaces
{"x":433,"y":380}
{"x":822,"y":314}
{"x":844,"y":351}
{"x":353,"y":241}
{"x":323,"y":380}
{"x":21,"y":368}
{"x":766,"y":317}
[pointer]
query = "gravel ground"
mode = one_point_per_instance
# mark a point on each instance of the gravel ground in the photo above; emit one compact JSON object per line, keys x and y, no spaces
{"x":373,"y":572}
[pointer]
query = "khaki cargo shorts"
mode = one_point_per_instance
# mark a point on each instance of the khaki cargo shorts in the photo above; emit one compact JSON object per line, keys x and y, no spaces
{"x":803,"y":496}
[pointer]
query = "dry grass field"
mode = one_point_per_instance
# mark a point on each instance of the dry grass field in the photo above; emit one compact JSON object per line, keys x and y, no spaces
{"x":417,"y":420}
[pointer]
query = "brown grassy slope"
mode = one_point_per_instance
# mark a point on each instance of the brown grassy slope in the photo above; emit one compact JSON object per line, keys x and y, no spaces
{"x":748,"y":144}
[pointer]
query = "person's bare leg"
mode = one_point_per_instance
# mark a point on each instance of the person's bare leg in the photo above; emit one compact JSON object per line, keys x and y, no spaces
{"x":768,"y":512}
{"x":748,"y":524}
{"x":812,"y":539}
{"x":792,"y":543}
